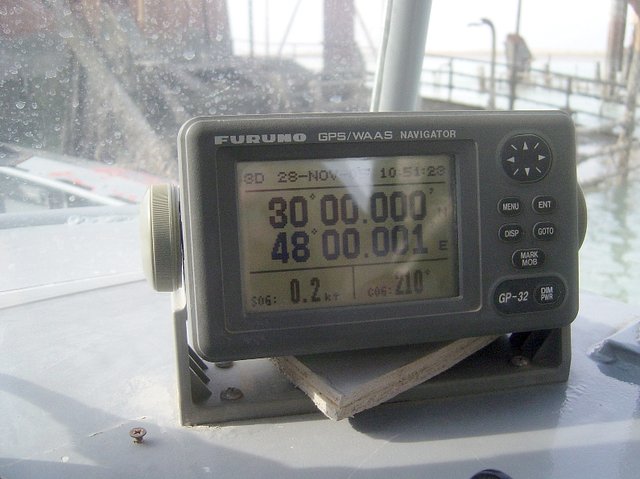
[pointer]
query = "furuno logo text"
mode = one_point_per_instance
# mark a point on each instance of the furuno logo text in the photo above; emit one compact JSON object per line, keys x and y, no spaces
{"x":264,"y":138}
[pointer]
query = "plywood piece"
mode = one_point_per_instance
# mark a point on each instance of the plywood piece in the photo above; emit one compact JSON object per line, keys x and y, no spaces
{"x":346,"y":383}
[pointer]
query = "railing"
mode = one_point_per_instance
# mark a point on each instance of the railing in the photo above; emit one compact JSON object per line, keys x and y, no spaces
{"x":592,"y":102}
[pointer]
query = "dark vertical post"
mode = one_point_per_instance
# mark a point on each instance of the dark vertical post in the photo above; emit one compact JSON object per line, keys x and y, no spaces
{"x":615,"y":44}
{"x":625,"y":140}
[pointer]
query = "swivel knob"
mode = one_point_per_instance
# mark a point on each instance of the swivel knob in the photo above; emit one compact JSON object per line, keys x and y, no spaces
{"x":161,"y":243}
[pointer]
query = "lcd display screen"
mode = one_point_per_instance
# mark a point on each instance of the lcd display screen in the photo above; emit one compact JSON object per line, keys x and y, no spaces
{"x":351,"y":231}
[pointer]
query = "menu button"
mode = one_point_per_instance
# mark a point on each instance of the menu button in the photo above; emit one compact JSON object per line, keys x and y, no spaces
{"x":510,"y":206}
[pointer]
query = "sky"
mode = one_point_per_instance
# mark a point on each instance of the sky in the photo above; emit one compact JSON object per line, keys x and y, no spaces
{"x":546,"y":25}
{"x":574,"y":26}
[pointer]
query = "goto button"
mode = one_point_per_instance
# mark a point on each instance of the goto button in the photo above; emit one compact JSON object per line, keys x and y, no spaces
{"x":545,"y":230}
{"x":544,"y":204}
{"x":510,"y":206}
{"x":528,"y":258}
{"x":511,"y":233}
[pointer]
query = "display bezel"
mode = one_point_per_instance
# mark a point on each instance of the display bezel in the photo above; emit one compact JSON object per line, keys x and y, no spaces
{"x":227,"y":256}
{"x":333,"y":256}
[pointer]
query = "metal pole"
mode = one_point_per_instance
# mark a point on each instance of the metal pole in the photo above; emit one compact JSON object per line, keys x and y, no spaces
{"x":251,"y":49}
{"x":266,"y":29}
{"x":397,"y":82}
{"x":492,"y":91}
{"x":514,"y":51}
{"x":492,"y":84}
{"x":288,"y":29}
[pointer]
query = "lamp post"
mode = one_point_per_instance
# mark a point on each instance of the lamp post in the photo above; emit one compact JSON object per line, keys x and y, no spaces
{"x":513,"y":77}
{"x":492,"y":81}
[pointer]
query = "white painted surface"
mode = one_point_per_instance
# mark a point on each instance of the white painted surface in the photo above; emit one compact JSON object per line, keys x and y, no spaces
{"x":79,"y":370}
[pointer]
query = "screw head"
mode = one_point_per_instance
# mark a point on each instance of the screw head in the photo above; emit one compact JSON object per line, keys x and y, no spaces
{"x":519,"y":361}
{"x":224,"y":364}
{"x":137,"y":434}
{"x":231,"y":394}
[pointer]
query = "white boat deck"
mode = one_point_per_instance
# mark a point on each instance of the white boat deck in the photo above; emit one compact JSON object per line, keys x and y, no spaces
{"x":79,"y":370}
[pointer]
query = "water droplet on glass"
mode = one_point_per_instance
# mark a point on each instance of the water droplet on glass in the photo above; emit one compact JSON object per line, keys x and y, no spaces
{"x":189,"y":55}
{"x":20,"y":105}
{"x":335,"y":99}
{"x":66,"y":34}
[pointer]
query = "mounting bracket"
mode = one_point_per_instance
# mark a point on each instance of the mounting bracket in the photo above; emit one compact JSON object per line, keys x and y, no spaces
{"x":253,"y":389}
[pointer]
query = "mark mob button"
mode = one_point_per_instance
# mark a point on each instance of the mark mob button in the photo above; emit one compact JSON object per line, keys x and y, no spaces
{"x":528,"y":258}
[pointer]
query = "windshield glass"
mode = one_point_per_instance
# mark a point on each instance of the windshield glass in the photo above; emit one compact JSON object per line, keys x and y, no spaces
{"x":94,"y":92}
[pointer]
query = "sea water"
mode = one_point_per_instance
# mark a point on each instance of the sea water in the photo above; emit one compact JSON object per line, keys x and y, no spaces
{"x":610,"y":254}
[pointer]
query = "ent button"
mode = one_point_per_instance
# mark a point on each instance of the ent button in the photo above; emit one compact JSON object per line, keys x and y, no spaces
{"x":528,"y":258}
{"x":544,"y":204}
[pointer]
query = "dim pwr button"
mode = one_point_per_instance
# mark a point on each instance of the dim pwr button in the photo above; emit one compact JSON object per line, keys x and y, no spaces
{"x":527,"y":295}
{"x":547,"y":293}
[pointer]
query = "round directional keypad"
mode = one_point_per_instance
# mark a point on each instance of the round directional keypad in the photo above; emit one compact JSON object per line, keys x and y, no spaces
{"x":526,"y":158}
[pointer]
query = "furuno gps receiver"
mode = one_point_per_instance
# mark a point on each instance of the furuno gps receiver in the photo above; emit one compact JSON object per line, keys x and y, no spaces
{"x":298,"y":234}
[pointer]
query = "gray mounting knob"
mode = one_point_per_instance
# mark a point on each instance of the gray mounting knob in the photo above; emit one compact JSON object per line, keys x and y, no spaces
{"x":160,"y":238}
{"x":582,"y":217}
